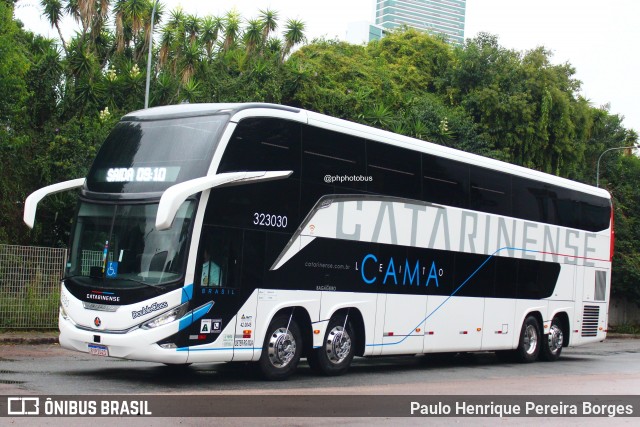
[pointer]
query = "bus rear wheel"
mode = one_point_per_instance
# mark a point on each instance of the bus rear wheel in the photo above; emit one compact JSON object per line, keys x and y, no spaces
{"x":529,"y":344}
{"x":336,"y":353}
{"x":552,"y":344}
{"x":281,"y":349}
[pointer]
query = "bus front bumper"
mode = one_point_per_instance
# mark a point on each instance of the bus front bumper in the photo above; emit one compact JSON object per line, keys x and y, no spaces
{"x":138,"y":344}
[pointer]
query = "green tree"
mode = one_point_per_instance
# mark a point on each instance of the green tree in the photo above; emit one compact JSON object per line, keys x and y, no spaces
{"x":622,"y":183}
{"x":211,"y":28}
{"x":269,"y":19}
{"x":293,"y":35}
{"x":54,"y":11}
{"x":231,"y":29}
{"x":479,"y":97}
{"x":14,"y":139}
{"x":253,"y":35}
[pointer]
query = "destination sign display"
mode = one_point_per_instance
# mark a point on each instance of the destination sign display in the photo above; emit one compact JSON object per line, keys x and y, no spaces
{"x":139,"y":174}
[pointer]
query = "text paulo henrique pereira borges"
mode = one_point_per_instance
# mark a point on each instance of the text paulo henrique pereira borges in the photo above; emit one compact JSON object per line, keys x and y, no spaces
{"x":527,"y":408}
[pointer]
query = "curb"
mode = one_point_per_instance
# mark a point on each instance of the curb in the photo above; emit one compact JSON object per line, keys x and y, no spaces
{"x":28,"y":340}
{"x":622,"y":336}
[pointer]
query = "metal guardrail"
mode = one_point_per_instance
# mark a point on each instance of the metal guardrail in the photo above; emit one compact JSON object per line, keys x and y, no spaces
{"x":30,"y":286}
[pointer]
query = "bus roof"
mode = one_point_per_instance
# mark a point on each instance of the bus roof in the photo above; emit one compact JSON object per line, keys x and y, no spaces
{"x":238,"y":111}
{"x":191,"y":110}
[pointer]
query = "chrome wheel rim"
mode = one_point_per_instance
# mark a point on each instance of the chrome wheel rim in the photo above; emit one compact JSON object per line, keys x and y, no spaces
{"x":530,"y":339}
{"x":338,"y":345}
{"x":556,"y":339}
{"x":282,"y":347}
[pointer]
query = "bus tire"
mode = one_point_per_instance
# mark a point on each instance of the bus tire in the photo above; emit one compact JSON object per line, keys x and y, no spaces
{"x":530,"y":340}
{"x":338,"y":348}
{"x":281,"y":349}
{"x":552,"y":342}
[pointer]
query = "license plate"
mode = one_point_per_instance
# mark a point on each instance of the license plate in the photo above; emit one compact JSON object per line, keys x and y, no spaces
{"x":98,"y":350}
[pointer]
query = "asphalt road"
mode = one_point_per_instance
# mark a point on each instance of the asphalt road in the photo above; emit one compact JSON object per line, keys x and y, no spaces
{"x":608,"y":368}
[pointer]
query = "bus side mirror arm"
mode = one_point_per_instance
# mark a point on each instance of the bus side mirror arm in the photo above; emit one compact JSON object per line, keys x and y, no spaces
{"x":31,"y":204}
{"x":174,"y":196}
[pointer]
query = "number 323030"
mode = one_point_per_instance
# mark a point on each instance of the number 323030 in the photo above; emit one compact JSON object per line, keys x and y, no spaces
{"x":269,"y":220}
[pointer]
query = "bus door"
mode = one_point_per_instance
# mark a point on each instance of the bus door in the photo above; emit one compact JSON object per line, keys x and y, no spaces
{"x":217,"y":279}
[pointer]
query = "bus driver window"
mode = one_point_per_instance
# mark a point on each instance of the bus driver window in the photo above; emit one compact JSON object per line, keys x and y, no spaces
{"x":211,"y":272}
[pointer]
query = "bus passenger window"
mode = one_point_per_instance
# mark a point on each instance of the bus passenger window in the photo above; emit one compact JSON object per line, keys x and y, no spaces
{"x":211,"y":271}
{"x":394,"y":171}
{"x":219,"y":260}
{"x":490,"y":191}
{"x":445,"y":181}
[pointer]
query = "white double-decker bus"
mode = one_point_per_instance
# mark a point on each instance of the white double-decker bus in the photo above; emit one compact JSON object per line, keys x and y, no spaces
{"x":265,"y":233}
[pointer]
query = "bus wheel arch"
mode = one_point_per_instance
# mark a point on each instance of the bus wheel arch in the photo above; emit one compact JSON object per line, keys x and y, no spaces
{"x":357,"y":322}
{"x":563,"y":319}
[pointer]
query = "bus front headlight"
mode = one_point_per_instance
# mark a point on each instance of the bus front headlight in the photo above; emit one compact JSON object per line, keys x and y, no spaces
{"x":167,"y":317}
{"x":63,"y":313}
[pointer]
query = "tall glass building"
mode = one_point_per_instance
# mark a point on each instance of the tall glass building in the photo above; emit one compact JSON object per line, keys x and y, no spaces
{"x":436,"y":16}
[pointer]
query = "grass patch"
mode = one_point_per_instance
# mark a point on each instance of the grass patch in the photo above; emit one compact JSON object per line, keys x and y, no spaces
{"x":29,"y":309}
{"x":625,"y":329}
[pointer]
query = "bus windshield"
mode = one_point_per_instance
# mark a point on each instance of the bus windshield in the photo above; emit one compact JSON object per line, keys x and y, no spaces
{"x":120,"y":244}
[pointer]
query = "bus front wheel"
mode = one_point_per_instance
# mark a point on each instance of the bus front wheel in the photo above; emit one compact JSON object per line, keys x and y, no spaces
{"x":281,"y":350}
{"x":336,"y":353}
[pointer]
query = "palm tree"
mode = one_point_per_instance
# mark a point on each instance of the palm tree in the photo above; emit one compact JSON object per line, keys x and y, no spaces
{"x":52,"y":9}
{"x":253,"y":35}
{"x":164,"y":89}
{"x":147,"y":24}
{"x":419,"y":129}
{"x":172,"y":42}
{"x":103,"y":8}
{"x":231,"y":29}
{"x":81,"y":62}
{"x":100,"y":17}
{"x":166,"y":43}
{"x":73,"y":10}
{"x":190,"y":91}
{"x":135,"y":15}
{"x":269,"y":20}
{"x":176,"y":19}
{"x":87,"y":10}
{"x":119,"y":9}
{"x":294,"y":34}
{"x":102,"y":11}
{"x":137,"y":11}
{"x":88,"y":92}
{"x":192,"y":27}
{"x":379,"y":116}
{"x":190,"y":60}
{"x":211,"y":27}
{"x":274,"y":47}
{"x":104,"y":46}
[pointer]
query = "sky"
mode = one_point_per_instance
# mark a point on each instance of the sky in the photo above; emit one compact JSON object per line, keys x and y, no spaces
{"x":598,"y":38}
